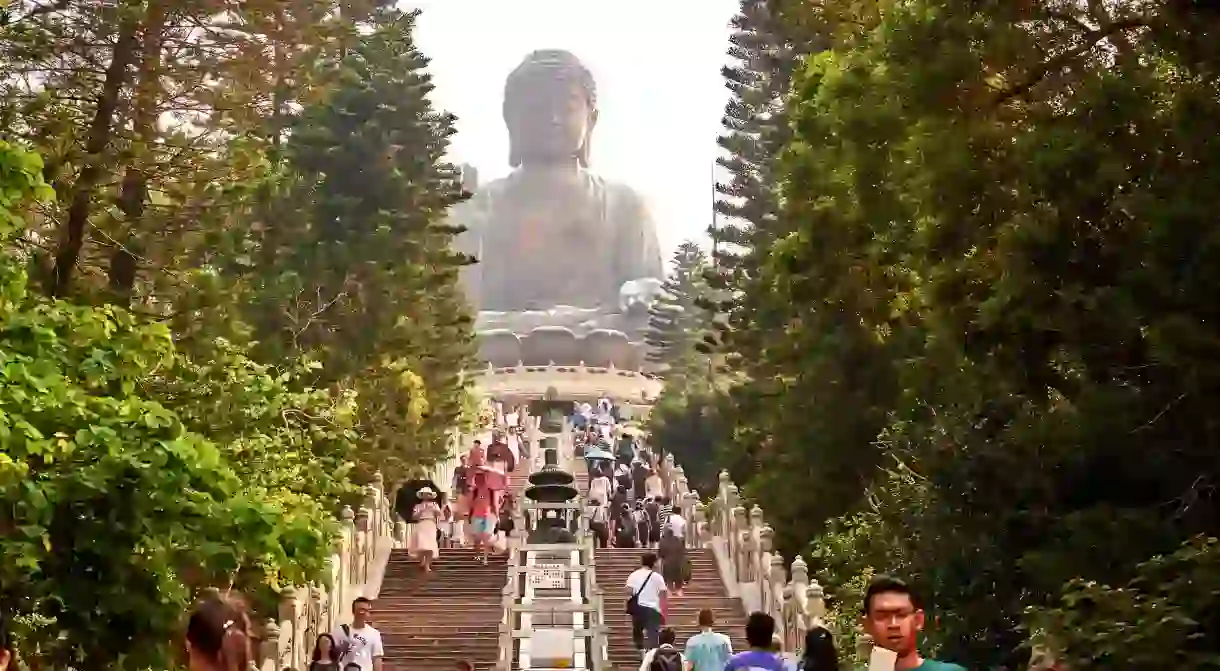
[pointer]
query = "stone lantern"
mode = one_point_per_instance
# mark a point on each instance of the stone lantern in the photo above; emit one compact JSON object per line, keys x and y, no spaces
{"x":551,"y":484}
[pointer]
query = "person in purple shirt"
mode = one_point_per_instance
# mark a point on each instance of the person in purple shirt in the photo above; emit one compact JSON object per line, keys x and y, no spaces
{"x":760,"y":627}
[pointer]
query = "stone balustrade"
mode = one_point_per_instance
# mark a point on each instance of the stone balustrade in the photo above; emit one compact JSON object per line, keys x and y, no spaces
{"x":751,"y":569}
{"x":543,"y":345}
{"x":576,"y":381}
{"x":305,"y":612}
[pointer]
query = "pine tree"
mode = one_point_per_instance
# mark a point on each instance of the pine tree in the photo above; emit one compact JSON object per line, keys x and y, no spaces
{"x":677,"y":322}
{"x":756,"y":131}
{"x":355,"y":266}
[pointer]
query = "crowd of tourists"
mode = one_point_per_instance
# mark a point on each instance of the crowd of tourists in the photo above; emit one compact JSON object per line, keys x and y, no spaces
{"x":892,"y":615}
{"x":629,"y":508}
{"x":475,"y":510}
{"x":219,"y":636}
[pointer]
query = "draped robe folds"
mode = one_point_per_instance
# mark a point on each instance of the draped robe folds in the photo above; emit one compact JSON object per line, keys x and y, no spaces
{"x":541,"y":244}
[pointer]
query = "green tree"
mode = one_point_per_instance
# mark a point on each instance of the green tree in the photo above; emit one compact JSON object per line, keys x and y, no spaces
{"x":996,"y":299}
{"x":135,"y":106}
{"x":677,"y":322}
{"x":354,"y":266}
{"x":113,"y":512}
{"x":688,"y":422}
{"x":800,"y":379}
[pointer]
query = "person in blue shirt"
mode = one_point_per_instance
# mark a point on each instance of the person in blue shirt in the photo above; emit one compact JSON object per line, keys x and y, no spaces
{"x":760,"y":628}
{"x":708,"y":650}
{"x":894,"y":616}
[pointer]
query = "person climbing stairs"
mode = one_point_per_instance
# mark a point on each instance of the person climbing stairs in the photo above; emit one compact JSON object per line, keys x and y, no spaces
{"x":706,"y":590}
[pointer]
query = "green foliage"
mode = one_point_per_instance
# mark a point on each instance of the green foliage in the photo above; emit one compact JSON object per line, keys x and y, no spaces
{"x":257,"y":303}
{"x":980,"y":351}
{"x":354,"y":266}
{"x":687,"y":421}
{"x":678,"y":322}
{"x":115,"y":506}
{"x":1160,"y":616}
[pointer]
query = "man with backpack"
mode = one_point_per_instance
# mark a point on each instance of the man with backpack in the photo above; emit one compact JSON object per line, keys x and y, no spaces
{"x":359,"y":644}
{"x":664,"y":657}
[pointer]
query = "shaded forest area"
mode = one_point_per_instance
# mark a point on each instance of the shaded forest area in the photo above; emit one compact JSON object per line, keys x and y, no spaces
{"x":962,"y":310}
{"x":227,"y":298}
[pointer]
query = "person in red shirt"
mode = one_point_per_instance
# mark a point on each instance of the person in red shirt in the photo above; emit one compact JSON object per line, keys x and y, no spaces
{"x":483,"y":516}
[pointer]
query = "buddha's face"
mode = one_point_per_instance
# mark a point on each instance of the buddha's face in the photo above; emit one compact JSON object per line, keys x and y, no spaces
{"x":550,"y":119}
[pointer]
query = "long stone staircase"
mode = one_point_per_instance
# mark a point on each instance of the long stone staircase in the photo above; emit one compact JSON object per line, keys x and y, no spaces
{"x":706,"y":590}
{"x":429,"y":621}
{"x":516,"y":611}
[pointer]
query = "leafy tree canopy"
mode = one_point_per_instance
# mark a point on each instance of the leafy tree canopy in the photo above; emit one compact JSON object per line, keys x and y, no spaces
{"x":984,"y":340}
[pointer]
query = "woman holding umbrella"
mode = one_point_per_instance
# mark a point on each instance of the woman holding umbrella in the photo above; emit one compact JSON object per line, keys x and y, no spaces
{"x":408,"y":498}
{"x":427,"y":516}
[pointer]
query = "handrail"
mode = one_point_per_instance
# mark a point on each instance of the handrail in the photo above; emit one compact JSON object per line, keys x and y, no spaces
{"x":749,"y":565}
{"x":305,"y":612}
{"x":593,"y":632}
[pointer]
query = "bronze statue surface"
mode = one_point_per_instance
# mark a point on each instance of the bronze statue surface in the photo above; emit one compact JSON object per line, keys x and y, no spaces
{"x":553,"y":233}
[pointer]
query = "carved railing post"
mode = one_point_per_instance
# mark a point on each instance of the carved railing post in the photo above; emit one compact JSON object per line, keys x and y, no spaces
{"x":269,"y":647}
{"x":702,"y":527}
{"x":772,"y":587}
{"x":400,"y":534}
{"x":815,"y":604}
{"x":360,"y":553}
{"x":742,"y":540}
{"x":758,"y":566}
{"x":318,"y":624}
{"x":289,"y":630}
{"x":383,"y":524}
{"x":347,"y":540}
{"x":793,"y":607}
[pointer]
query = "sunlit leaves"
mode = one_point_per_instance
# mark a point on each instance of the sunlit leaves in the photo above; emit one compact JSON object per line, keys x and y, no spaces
{"x":128,"y":477}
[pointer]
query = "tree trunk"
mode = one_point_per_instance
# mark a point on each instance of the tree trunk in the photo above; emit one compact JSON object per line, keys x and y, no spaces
{"x":133,"y":197}
{"x":101,"y":131}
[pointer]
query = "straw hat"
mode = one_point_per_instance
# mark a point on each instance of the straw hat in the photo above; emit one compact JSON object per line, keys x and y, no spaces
{"x":426,"y":493}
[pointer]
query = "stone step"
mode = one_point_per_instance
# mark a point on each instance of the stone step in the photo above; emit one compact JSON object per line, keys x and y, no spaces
{"x":429,"y":621}
{"x":415,"y":628}
{"x":705,"y":591}
{"x":446,"y":665}
{"x":481,"y":647}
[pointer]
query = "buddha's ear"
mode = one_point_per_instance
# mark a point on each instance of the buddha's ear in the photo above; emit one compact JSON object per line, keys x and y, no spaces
{"x":587,"y":144}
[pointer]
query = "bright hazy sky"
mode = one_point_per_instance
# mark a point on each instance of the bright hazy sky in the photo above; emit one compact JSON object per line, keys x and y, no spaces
{"x":657,"y":65}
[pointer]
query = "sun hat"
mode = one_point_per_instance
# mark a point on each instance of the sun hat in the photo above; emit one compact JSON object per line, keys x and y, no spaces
{"x":427,"y":493}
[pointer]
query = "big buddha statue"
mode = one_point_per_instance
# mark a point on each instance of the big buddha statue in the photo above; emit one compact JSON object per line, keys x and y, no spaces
{"x":552,"y":232}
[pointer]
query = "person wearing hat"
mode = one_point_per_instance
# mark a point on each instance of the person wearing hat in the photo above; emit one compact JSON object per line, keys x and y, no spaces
{"x":427,"y":520}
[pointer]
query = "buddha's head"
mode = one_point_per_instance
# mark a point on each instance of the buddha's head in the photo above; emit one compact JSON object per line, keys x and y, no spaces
{"x":550,"y":108}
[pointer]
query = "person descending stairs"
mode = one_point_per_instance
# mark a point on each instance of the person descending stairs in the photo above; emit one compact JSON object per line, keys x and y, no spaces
{"x":433,"y":621}
{"x":705,"y":591}
{"x":429,"y":621}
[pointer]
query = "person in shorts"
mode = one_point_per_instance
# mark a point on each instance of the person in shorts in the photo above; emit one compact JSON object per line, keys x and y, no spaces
{"x":483,"y":518}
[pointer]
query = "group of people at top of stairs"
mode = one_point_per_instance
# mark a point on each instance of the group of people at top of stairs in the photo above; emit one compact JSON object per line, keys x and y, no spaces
{"x":892,"y":615}
{"x":627,"y":498}
{"x":476,"y":510}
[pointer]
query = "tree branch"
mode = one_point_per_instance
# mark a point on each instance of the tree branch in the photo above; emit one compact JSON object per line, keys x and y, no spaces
{"x":1059,"y":62}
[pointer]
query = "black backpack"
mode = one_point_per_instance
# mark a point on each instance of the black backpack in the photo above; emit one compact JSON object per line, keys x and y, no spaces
{"x":666,"y":659}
